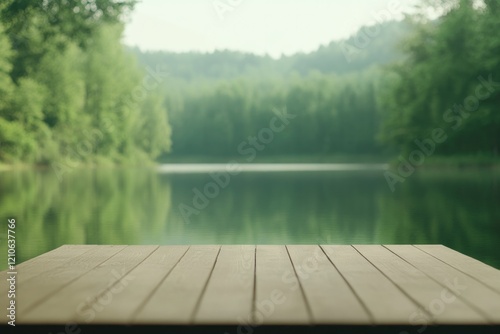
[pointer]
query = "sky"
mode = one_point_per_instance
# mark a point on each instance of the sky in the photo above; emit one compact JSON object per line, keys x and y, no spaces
{"x":272,"y":27}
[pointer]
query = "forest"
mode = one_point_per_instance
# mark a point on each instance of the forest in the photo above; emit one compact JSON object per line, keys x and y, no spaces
{"x":72,"y":93}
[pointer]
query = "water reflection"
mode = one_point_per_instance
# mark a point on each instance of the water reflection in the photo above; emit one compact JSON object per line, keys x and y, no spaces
{"x":343,"y":207}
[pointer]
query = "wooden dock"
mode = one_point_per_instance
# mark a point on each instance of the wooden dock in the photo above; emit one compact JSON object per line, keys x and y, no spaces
{"x":249,"y":287}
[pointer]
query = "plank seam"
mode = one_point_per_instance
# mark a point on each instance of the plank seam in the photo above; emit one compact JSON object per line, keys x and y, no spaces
{"x":422,"y":307}
{"x":485,"y":316}
{"x":254,"y":293}
{"x":367,"y":310}
{"x":94,"y":300}
{"x":463,"y":272}
{"x":308,"y":307}
{"x":50,"y":295}
{"x":148,"y":297}
{"x":198,"y":302}
{"x":43,"y":257}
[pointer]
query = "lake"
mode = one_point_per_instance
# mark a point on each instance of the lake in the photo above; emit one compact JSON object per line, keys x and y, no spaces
{"x":273,"y":204}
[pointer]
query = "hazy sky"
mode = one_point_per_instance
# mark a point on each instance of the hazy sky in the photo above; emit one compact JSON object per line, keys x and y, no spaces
{"x":258,"y":26}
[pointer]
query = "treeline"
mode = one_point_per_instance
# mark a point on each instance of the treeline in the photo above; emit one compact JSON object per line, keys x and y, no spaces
{"x":449,"y":80}
{"x":327,"y":115}
{"x":359,"y":52}
{"x":387,"y":95}
{"x":70,"y":92}
{"x":219,"y":101}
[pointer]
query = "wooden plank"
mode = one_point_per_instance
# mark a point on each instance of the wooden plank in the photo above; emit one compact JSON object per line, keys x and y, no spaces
{"x":228,"y":298}
{"x":480,"y":271}
{"x":45,"y":262}
{"x":51,"y":259}
{"x":141,"y":282}
{"x":70,"y":300}
{"x":36,"y":288}
{"x":175,"y":299}
{"x":278,"y":297}
{"x":297,"y":284}
{"x":65,"y":257}
{"x":482,"y":298}
{"x":385,"y":302}
{"x":439,"y":302}
{"x":330,"y":298}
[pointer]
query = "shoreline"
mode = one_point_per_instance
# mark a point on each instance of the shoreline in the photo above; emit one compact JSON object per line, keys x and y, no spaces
{"x":457,"y":163}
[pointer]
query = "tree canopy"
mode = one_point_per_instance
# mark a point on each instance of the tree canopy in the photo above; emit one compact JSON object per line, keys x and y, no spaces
{"x":72,"y":92}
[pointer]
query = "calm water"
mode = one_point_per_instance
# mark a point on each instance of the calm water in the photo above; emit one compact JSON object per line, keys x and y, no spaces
{"x":299,"y":205}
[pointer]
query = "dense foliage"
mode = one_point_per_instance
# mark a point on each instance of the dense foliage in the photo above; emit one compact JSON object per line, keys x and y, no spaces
{"x":71,"y":92}
{"x":449,"y":80}
{"x":218,"y":101}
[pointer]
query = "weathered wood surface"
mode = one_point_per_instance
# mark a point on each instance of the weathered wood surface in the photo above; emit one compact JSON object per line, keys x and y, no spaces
{"x":256,"y":285}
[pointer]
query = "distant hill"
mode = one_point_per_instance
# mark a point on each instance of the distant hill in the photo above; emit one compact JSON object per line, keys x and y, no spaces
{"x":371,"y":45}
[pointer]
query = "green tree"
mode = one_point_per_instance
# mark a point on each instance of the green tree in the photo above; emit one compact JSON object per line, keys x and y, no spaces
{"x":444,"y":60}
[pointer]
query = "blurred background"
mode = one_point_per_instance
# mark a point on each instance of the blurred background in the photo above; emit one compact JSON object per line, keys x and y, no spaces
{"x":106,"y":106}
